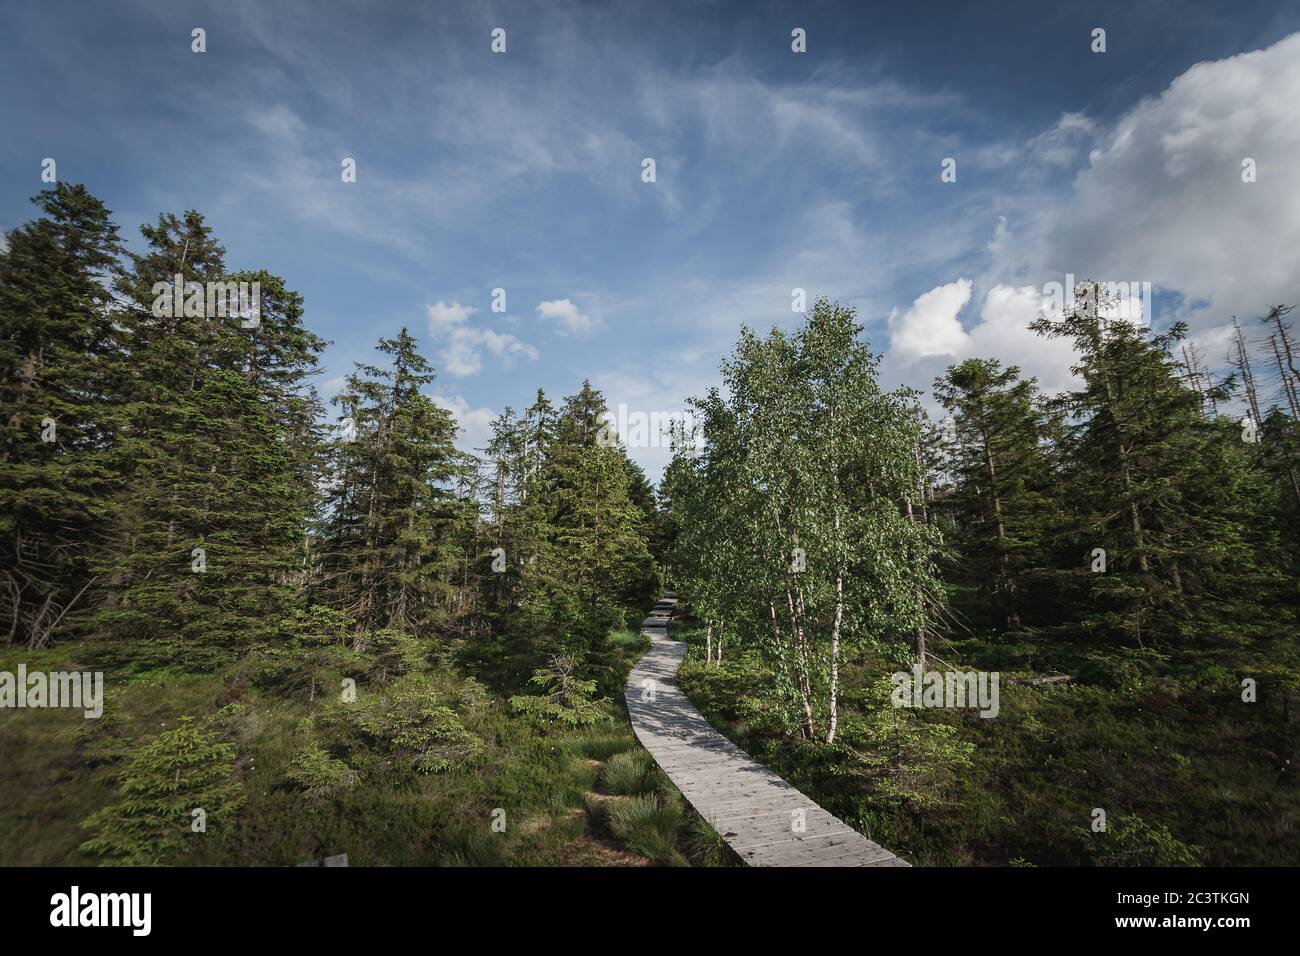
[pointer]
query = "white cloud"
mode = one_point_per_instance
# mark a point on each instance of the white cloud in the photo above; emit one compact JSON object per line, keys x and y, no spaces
{"x":444,"y":317}
{"x":475,"y":423}
{"x":929,"y":335}
{"x":1162,"y":198}
{"x":464,"y":344}
{"x":1213,"y":344}
{"x":1060,"y":145}
{"x":1003,"y":333}
{"x":931,"y":326}
{"x":567,"y":318}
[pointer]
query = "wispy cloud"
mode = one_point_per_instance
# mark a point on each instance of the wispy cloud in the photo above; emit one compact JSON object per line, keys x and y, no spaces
{"x":463,"y":343}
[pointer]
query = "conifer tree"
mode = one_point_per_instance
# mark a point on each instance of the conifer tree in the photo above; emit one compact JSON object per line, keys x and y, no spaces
{"x":387,"y":554}
{"x":61,"y":405}
{"x":214,"y":451}
{"x":182,"y":770}
{"x":587,"y":556}
{"x":1164,"y":493}
{"x":1001,"y":475}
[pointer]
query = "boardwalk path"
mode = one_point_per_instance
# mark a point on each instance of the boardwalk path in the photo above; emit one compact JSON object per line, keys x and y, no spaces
{"x":755,"y":810}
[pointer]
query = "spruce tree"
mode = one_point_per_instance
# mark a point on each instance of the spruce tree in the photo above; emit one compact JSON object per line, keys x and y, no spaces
{"x":387,"y":555}
{"x":61,"y":403}
{"x":207,"y":537}
{"x":586,"y":560}
{"x":1001,"y":477}
{"x":1161,"y":497}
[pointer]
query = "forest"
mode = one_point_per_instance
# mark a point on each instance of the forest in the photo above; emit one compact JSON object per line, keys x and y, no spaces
{"x":326,"y":629}
{"x":1122,"y":556}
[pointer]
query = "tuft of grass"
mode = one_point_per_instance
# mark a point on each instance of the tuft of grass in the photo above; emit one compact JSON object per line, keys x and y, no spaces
{"x":649,"y":825}
{"x":633,"y":643}
{"x":599,"y":743}
{"x":706,"y":846}
{"x":632,"y":773}
{"x":474,"y":849}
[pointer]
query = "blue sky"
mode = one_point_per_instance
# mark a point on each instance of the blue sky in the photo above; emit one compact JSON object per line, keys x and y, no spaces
{"x":775,"y":170}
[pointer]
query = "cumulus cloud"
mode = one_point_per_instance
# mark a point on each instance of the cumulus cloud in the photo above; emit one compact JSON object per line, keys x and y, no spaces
{"x":475,"y":423}
{"x":1162,"y":197}
{"x":929,"y":336}
{"x":1003,"y":333}
{"x":931,"y":326}
{"x":568,"y":320}
{"x":463,"y":344}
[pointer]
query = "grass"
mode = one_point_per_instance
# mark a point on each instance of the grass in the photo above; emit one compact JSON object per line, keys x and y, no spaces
{"x":587,"y":796}
{"x":600,"y":743}
{"x":629,"y":640}
{"x":705,"y":845}
{"x":631,"y":773}
{"x":650,"y":825}
{"x":1171,"y":753}
{"x":60,"y":768}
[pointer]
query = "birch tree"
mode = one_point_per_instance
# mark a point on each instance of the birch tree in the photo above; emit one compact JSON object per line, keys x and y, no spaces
{"x":800,"y":494}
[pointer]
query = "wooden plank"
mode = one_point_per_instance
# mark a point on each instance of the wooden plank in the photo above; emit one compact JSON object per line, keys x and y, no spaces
{"x":743,"y":800}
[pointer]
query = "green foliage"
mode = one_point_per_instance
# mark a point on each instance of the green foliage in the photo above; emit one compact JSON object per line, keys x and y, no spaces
{"x":1128,"y":840}
{"x":183,"y":522}
{"x":372,"y":556}
{"x":193,"y":555}
{"x":789,"y":527}
{"x":389,"y":543}
{"x":388,"y":653}
{"x":631,"y":773}
{"x":316,"y":773}
{"x":402,"y":729}
{"x":1002,"y":478}
{"x":1164,"y":491}
{"x":61,"y":354}
{"x":566,"y":698}
{"x":571,"y":515}
{"x":313,"y":652}
{"x":904,"y":758}
{"x":163,"y":782}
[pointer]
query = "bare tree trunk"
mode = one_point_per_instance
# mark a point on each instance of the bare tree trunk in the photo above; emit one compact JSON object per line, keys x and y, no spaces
{"x":801,"y":664}
{"x":834,"y":716}
{"x":1288,"y":387}
{"x":1012,"y":615}
{"x":918,"y":635}
{"x":1275,"y":315}
{"x":1242,"y":364}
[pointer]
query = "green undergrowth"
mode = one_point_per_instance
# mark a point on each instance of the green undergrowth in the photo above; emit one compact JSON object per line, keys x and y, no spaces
{"x":427,"y":768}
{"x":1186,"y":772}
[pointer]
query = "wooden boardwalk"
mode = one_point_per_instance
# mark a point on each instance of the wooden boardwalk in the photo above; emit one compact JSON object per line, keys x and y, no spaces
{"x":764,"y":819}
